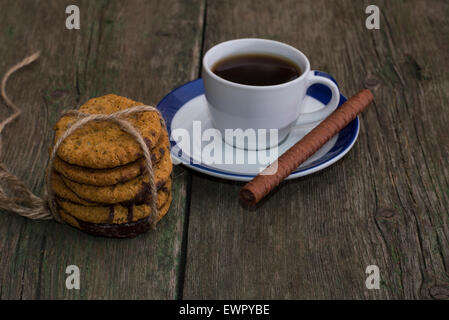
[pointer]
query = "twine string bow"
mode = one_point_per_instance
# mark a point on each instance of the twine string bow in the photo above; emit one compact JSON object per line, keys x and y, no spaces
{"x":23,"y":202}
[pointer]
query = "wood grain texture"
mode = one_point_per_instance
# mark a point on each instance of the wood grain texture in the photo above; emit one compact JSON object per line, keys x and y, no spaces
{"x":386,"y":203}
{"x":139,"y":49}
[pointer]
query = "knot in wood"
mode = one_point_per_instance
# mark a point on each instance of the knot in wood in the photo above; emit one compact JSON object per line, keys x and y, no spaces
{"x":385,"y":213}
{"x":439,"y":292}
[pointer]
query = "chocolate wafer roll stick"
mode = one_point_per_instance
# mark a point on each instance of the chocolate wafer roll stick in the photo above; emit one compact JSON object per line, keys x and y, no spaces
{"x":270,"y":177}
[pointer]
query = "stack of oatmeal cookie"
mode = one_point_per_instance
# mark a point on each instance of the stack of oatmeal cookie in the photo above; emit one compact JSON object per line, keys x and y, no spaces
{"x":99,"y":180}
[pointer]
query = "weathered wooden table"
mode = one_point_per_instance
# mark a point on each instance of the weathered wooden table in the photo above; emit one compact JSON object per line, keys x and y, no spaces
{"x":386,"y":203}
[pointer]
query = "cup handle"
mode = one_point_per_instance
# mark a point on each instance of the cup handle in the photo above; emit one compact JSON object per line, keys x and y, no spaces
{"x":314,"y":77}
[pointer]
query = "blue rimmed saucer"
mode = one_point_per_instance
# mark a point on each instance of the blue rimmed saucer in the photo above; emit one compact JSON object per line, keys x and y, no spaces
{"x":186,"y":107}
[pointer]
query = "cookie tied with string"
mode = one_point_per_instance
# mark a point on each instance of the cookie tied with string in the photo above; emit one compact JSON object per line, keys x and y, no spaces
{"x":100,"y":176}
{"x":105,"y":146}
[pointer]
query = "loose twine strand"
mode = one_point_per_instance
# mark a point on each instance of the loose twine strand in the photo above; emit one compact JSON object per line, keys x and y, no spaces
{"x":36,"y":208}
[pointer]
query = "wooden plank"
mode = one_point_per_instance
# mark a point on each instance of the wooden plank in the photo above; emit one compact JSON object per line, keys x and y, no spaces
{"x":140,"y":49}
{"x":386,"y":203}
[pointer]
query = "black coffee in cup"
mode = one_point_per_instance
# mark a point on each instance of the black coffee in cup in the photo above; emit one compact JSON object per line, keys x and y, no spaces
{"x":256,"y":69}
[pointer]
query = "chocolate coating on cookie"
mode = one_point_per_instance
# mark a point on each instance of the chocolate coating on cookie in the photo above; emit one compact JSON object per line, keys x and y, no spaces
{"x":125,"y":230}
{"x":122,"y":230}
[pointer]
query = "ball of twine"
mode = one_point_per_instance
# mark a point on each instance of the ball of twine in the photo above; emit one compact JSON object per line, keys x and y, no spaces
{"x":21,"y":200}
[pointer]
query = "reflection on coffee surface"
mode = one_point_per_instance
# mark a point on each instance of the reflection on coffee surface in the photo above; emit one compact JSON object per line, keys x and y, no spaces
{"x":257,"y":69}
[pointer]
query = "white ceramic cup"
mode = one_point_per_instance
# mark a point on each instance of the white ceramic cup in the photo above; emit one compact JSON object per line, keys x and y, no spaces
{"x":238,"y":106}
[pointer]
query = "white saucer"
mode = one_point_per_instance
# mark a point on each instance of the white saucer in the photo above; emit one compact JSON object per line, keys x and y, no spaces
{"x":187,"y":104}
